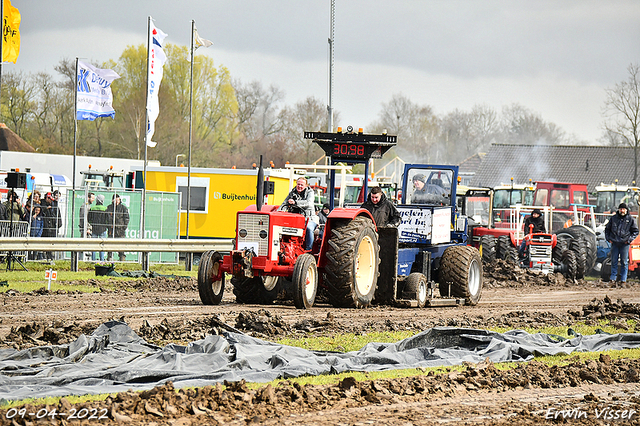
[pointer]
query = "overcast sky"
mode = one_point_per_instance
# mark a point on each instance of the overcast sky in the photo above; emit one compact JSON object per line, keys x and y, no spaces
{"x":555,"y":58}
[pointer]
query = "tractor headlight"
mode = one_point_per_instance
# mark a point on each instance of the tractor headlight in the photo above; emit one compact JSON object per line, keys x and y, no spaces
{"x":242,"y":233}
{"x":263,"y":234}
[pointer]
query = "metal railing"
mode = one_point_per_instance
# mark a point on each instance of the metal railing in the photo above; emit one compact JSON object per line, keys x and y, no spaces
{"x":114,"y":244}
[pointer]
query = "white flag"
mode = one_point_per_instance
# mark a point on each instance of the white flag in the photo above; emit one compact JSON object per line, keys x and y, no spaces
{"x":201,"y":42}
{"x":198,"y":42}
{"x":94,"y":92}
{"x":156,"y":59}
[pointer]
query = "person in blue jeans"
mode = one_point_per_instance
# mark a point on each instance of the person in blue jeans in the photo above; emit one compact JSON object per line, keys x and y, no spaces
{"x":36,"y":221}
{"x":301,"y":200}
{"x":620,"y":231}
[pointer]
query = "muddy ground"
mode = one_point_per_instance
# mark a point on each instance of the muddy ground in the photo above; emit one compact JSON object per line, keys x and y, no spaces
{"x":164,"y":310}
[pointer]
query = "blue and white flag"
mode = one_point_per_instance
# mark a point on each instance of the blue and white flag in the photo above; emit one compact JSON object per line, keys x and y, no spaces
{"x":94,"y":92}
{"x":156,"y":59}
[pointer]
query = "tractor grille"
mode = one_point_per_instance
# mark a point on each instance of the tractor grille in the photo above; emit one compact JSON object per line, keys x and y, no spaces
{"x":539,"y":252}
{"x":253,"y":224}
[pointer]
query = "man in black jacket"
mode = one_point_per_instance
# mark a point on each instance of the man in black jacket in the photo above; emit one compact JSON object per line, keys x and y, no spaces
{"x":533,"y":224}
{"x":118,"y":220}
{"x":620,"y":231}
{"x":383,"y":211}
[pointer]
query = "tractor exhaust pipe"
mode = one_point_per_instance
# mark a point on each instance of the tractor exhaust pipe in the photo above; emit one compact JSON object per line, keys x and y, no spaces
{"x":260,"y":189}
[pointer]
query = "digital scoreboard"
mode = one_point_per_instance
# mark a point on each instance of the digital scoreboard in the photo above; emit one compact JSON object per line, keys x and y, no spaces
{"x":352,"y":146}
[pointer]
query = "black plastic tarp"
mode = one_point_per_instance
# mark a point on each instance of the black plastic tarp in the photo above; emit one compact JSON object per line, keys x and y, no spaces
{"x":114,"y":358}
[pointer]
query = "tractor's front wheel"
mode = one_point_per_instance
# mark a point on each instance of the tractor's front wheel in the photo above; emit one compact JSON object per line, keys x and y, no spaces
{"x":210,"y":278}
{"x":461,"y":273}
{"x":305,"y":281}
{"x":352,"y":263}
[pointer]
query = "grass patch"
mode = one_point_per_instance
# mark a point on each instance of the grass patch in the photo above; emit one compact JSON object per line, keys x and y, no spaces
{"x":348,"y":342}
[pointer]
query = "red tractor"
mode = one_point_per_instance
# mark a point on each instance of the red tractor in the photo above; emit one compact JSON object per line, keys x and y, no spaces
{"x":269,"y":257}
{"x":565,"y":204}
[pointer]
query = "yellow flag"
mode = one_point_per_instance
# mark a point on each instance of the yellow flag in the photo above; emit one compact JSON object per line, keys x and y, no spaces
{"x":10,"y":33}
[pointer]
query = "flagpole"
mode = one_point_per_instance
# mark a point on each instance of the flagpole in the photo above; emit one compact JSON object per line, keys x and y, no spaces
{"x":146,"y":141}
{"x":189,"y":261}
{"x":74,"y":255}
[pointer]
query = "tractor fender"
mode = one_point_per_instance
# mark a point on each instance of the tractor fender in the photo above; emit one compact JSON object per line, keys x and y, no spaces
{"x":336,"y":215}
{"x":342,"y":213}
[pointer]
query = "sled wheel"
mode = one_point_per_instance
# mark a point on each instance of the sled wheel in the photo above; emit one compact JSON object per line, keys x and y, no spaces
{"x":415,"y":288}
{"x":352,"y":263}
{"x":210,"y":278}
{"x":488,"y":248}
{"x":461,"y":266}
{"x":305,"y":281}
{"x":569,"y":261}
{"x":252,"y":290}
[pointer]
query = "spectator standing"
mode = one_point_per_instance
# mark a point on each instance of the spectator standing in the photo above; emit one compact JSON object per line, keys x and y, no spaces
{"x":3,"y":212}
{"x":85,"y":230}
{"x":34,"y":198}
{"x":118,"y":219}
{"x":383,"y":211}
{"x":36,"y":221}
{"x":97,"y":218}
{"x":13,"y":207}
{"x":620,"y":231}
{"x":52,"y":219}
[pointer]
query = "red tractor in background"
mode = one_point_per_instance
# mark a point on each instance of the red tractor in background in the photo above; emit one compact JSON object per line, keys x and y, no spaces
{"x":566,"y":206}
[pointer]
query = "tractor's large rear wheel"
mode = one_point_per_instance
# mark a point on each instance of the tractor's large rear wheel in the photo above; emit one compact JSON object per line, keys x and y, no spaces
{"x":503,"y":244}
{"x":590,"y":246}
{"x":253,"y":290}
{"x":570,"y":264}
{"x":352,"y":263}
{"x":579,"y":247}
{"x":488,"y":248}
{"x":210,"y":278}
{"x":305,"y":281}
{"x":461,"y":272}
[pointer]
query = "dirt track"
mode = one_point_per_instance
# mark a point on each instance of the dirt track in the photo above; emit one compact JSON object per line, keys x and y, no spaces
{"x":163,"y":310}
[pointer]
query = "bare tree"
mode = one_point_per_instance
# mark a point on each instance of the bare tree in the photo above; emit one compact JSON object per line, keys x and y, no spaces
{"x":522,"y":126}
{"x":19,"y":97}
{"x":307,"y":115}
{"x":622,"y":112}
{"x":415,"y":125}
